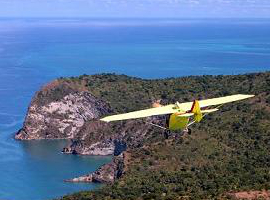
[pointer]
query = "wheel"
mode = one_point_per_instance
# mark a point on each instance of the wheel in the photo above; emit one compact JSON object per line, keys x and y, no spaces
{"x":186,"y":131}
{"x":167,"y":133}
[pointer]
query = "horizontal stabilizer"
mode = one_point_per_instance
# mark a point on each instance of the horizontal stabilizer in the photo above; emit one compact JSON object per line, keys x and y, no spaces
{"x":186,"y":115}
{"x":209,"y":110}
{"x":203,"y":111}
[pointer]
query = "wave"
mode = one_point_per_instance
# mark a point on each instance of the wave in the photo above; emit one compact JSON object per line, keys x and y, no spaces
{"x":10,"y":120}
{"x":246,"y":53}
{"x":210,"y":68}
{"x":10,"y":153}
{"x":19,"y":23}
{"x":11,"y":124}
{"x":6,"y":89}
{"x":9,"y":114}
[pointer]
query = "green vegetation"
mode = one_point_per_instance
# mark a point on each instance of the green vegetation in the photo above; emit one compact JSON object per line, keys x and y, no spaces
{"x":228,"y":151}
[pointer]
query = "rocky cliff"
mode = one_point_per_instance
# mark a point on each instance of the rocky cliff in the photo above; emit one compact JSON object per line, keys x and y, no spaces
{"x":66,"y":110}
{"x":107,"y":173}
{"x":227,"y":152}
{"x":59,"y":111}
{"x":99,"y":138}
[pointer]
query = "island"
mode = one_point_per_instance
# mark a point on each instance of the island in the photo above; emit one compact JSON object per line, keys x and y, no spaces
{"x":226,"y":156}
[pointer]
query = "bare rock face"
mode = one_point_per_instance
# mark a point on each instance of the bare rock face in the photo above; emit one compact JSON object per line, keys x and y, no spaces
{"x":107,"y":173}
{"x":250,"y":195}
{"x":101,"y":148}
{"x":60,"y":112}
{"x":64,"y":110}
{"x":100,"y":138}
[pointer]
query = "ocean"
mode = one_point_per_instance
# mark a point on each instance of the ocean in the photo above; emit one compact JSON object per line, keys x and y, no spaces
{"x":36,"y":51}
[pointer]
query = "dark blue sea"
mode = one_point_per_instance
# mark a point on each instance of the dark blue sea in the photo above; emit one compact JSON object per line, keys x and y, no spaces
{"x":35,"y":51}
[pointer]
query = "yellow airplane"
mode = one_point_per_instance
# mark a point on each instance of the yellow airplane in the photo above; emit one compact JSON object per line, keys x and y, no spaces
{"x":180,"y":113}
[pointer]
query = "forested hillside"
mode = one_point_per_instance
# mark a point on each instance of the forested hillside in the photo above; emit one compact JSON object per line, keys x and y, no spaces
{"x":228,"y":151}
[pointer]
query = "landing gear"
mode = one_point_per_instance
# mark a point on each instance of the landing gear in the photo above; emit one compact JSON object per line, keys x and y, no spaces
{"x":167,"y":133}
{"x":187,"y":131}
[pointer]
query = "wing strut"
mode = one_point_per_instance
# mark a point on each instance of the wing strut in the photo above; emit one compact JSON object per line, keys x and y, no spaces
{"x":157,"y":125}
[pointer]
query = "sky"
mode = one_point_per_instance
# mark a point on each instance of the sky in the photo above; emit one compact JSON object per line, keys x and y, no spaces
{"x":136,"y":8}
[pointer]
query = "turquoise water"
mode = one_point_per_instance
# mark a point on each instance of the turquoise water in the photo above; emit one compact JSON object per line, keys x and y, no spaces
{"x":36,"y":169}
{"x":33,"y":52}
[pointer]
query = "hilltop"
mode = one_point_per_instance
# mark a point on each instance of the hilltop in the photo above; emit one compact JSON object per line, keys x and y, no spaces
{"x":226,"y":153}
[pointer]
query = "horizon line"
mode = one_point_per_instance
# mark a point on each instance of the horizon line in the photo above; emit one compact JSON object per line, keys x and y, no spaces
{"x":134,"y":18}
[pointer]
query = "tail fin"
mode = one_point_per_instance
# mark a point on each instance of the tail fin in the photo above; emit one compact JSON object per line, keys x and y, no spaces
{"x":196,"y":109}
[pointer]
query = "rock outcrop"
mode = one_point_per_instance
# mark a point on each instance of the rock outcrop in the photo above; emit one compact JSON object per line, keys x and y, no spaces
{"x":59,"y":111}
{"x":250,"y":195}
{"x":94,"y":138}
{"x":239,"y":140}
{"x":100,"y":138}
{"x":105,"y":174}
{"x":62,"y":110}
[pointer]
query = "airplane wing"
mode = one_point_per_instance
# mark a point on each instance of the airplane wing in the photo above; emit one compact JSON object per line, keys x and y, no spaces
{"x":215,"y":101}
{"x":173,"y":108}
{"x":141,"y":113}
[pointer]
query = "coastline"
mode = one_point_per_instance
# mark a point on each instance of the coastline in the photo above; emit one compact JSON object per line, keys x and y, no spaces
{"x":137,"y":136}
{"x":35,"y":53}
